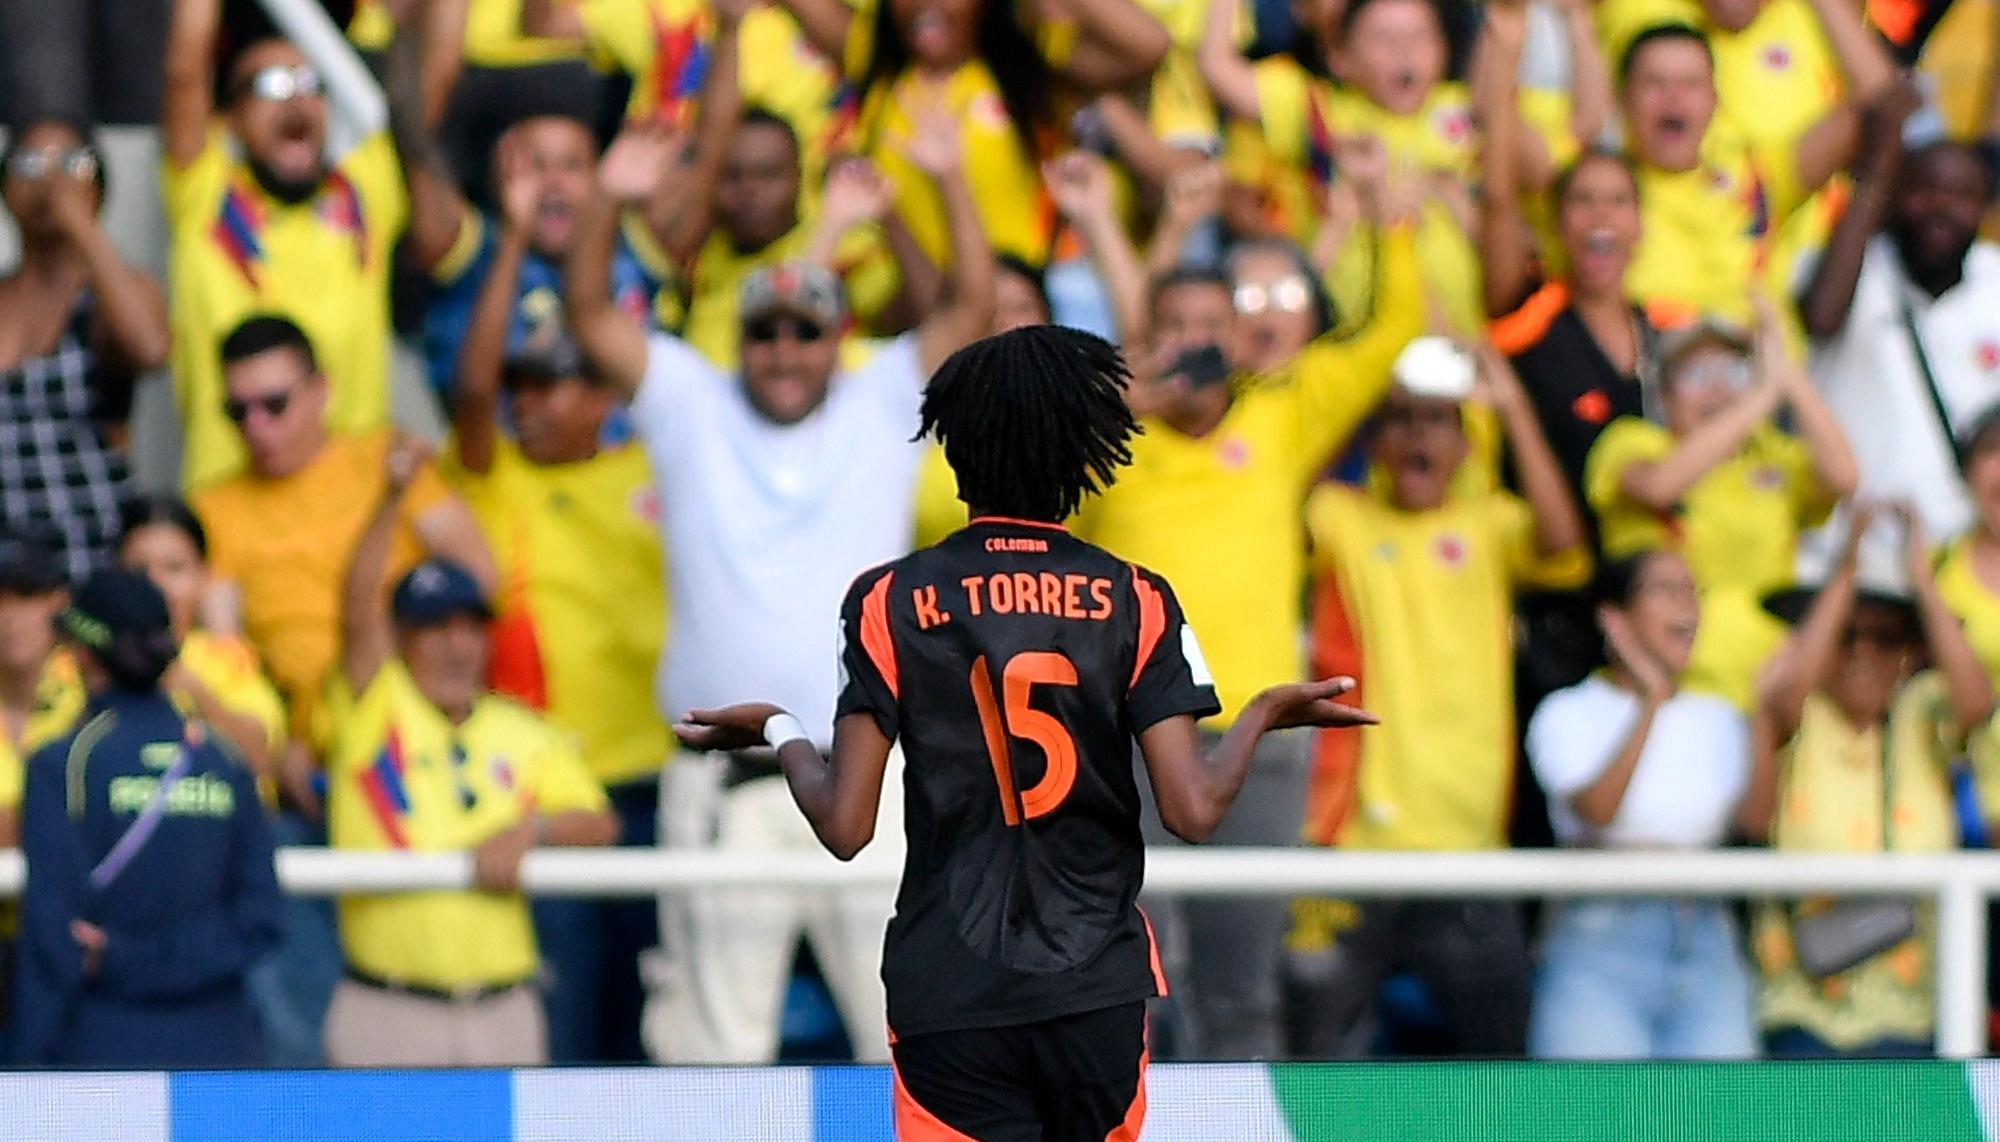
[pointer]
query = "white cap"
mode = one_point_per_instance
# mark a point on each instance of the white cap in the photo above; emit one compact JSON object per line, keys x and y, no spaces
{"x":1434,"y":367}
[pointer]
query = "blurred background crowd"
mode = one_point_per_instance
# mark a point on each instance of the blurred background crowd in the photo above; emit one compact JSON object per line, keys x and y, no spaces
{"x":1611,"y":386}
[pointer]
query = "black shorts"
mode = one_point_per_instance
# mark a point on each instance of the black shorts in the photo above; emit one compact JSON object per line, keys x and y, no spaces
{"x":1077,"y":1077}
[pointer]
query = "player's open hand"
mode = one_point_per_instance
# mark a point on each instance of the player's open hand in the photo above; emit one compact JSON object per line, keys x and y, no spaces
{"x":732,"y":727}
{"x":1312,"y":704}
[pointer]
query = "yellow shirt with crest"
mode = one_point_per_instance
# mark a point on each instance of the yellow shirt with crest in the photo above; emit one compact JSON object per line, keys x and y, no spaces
{"x":401,"y":777}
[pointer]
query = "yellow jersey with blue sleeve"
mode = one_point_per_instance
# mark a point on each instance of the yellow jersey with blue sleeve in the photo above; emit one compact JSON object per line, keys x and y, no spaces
{"x":492,"y":35}
{"x":1738,"y":527}
{"x":1426,"y":593}
{"x":59,"y":701}
{"x":1220,"y":515}
{"x":581,"y":605}
{"x":401,"y":777}
{"x":236,"y":251}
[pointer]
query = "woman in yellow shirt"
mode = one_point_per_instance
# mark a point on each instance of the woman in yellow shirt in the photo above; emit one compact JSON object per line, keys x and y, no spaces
{"x":1725,"y":485}
{"x":216,"y":677}
{"x":1969,"y":573}
{"x":1852,"y":748}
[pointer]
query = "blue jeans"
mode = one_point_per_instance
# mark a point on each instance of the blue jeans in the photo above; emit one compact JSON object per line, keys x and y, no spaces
{"x":1643,"y":979}
{"x":590,"y":951}
{"x":291,"y":987}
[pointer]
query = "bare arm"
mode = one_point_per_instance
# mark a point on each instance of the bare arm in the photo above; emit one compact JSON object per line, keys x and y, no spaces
{"x":825,"y":24}
{"x":449,"y":531}
{"x":475,"y":407}
{"x":244,"y":731}
{"x":1658,"y":485}
{"x":131,"y":314}
{"x":1558,"y":523}
{"x":1826,"y":442}
{"x":1590,"y":94}
{"x":367,"y":636}
{"x":1506,"y":255}
{"x":856,"y":194}
{"x":189,"y":102}
{"x":1828,"y":145}
{"x":1759,"y":806}
{"x":1966,"y":681}
{"x":437,"y":209}
{"x":444,"y":56}
{"x":1597,"y":804}
{"x":1193,"y":195}
{"x":679,"y":211}
{"x":1149,"y":159}
{"x":839,"y":795}
{"x":1828,"y":295}
{"x":1809,"y":655}
{"x":1194,"y":789}
{"x":1081,"y":186}
{"x":967,"y":312}
{"x":615,"y":343}
{"x":552,"y":20}
{"x":1118,"y":42}
{"x":1230,"y":77}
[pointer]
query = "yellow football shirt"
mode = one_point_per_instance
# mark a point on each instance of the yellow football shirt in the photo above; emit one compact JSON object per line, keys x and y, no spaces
{"x":1005,"y":180}
{"x":228,"y":666}
{"x":1220,"y":515}
{"x":1431,"y":594}
{"x":1738,"y":526}
{"x":59,"y":702}
{"x":402,"y":777}
{"x":325,"y":263}
{"x":492,"y":34}
{"x":1178,"y":104}
{"x":1707,"y":234}
{"x":581,"y":604}
{"x":1831,"y":799}
{"x":286,"y":544}
{"x":712,"y":322}
{"x":1976,"y":605}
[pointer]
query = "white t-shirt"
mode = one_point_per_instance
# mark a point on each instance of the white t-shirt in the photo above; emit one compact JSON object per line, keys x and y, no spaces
{"x":767,"y":524}
{"x":1692,"y":771}
{"x":1868,"y":373}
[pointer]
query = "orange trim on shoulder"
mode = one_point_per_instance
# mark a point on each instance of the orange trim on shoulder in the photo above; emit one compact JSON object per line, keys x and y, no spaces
{"x":1515,"y":332}
{"x":1152,"y":621}
{"x":875,"y":632}
{"x":1012,"y":522}
{"x":1667,"y":314}
{"x":916,"y":1124}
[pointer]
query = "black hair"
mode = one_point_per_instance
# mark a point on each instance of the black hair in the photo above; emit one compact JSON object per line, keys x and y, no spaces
{"x":164,"y":511}
{"x":136,"y":660}
{"x":1974,"y":154}
{"x":1023,"y":75}
{"x":760,"y":116}
{"x":1594,"y":153}
{"x":99,"y":178}
{"x":1617,"y":579}
{"x":258,"y":335}
{"x":1351,"y":14}
{"x":1662,"y":33}
{"x":1324,"y":313}
{"x":1181,"y":276}
{"x":1032,"y":420}
{"x":1020,"y":267}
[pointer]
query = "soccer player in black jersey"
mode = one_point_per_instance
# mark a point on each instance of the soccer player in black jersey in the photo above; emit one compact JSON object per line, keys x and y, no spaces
{"x":1017,"y":663}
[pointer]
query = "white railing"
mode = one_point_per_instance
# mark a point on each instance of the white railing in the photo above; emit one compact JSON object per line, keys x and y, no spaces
{"x":1960,"y":883}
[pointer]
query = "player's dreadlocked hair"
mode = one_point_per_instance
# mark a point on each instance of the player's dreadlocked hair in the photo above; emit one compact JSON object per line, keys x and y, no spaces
{"x":1032,"y":420}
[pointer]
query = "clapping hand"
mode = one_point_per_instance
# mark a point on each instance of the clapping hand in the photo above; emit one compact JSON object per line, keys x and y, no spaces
{"x":519,"y":184}
{"x":1655,"y":681}
{"x":638,"y":162}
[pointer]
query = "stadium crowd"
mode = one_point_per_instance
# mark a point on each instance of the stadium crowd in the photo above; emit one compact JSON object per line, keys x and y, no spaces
{"x":1612,"y":387}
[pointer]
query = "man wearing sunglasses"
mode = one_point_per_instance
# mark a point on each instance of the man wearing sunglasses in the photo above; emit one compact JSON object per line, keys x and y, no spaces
{"x":780,"y":483}
{"x":263,"y":217}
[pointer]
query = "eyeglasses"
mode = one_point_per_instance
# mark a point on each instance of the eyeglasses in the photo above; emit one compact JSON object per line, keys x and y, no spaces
{"x":272,"y":405}
{"x":279,"y":83}
{"x":1728,"y":372}
{"x":765,"y":330}
{"x":1286,"y":295}
{"x":77,"y":162}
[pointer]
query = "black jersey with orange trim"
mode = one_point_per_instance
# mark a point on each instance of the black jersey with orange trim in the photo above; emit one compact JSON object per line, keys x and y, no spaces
{"x":1575,"y":388}
{"x":1016,"y":662}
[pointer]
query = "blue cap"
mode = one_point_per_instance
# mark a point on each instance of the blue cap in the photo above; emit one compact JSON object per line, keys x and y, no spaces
{"x":437,"y":590}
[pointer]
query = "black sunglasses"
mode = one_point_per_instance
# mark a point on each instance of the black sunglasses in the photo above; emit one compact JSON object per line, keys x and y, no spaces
{"x":764,"y":330}
{"x":273,"y":406}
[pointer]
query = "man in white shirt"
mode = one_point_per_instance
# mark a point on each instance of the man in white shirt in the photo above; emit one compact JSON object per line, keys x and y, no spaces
{"x":779,"y":486}
{"x":1904,"y":311}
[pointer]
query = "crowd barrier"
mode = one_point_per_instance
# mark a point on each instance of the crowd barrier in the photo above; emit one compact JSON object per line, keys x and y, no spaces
{"x":1290,"y":1102}
{"x":1960,"y":884}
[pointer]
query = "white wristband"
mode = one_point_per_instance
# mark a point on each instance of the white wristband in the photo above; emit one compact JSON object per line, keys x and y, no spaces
{"x":781,"y":728}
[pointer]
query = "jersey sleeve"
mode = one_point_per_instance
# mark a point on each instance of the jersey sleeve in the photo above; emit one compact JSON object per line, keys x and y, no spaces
{"x":1513,"y":524}
{"x":1169,"y":675}
{"x":561,"y":783}
{"x":868,"y":675}
{"x":1337,"y":381}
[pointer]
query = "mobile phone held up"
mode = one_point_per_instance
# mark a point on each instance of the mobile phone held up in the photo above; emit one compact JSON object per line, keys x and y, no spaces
{"x":1201,"y":366}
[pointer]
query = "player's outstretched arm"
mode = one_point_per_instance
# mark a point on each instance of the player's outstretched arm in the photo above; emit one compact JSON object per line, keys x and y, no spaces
{"x":1194,"y":789}
{"x":839,"y":796}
